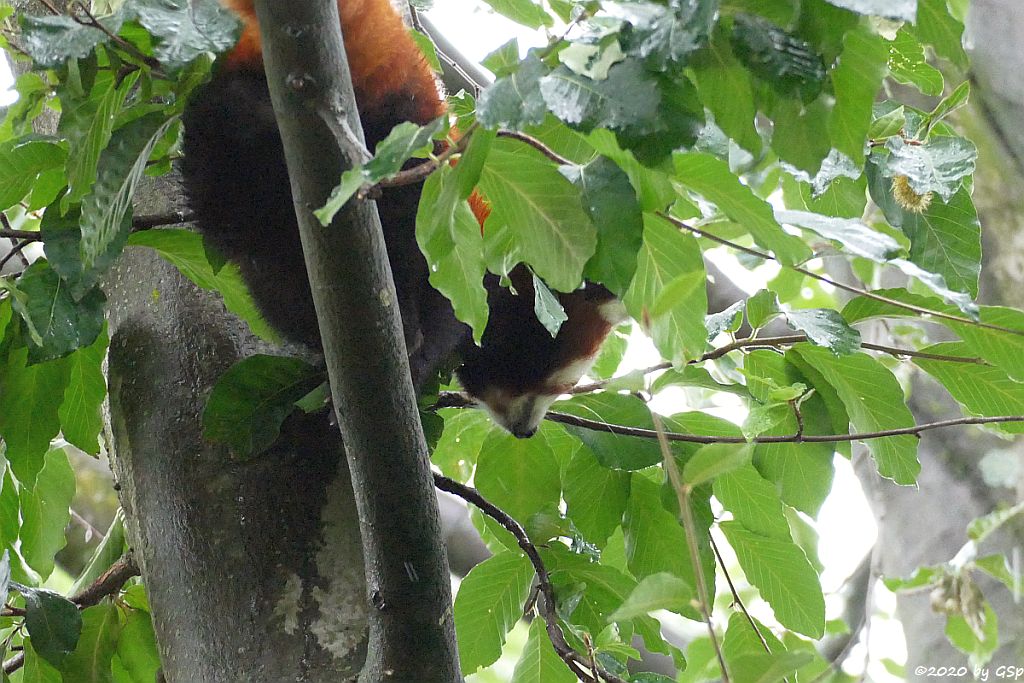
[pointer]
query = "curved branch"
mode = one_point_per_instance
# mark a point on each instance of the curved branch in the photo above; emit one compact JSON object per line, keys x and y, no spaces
{"x":546,"y":607}
{"x":107,"y":584}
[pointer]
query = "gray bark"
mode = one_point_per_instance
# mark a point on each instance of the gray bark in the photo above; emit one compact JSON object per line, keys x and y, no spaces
{"x":253,"y":569}
{"x":927,"y":526}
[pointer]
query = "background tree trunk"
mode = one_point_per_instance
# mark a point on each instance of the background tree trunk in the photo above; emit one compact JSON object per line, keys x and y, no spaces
{"x":928,"y":525}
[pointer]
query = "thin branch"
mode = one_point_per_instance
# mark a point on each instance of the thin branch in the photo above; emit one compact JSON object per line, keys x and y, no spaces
{"x":156,"y":220}
{"x":736,"y":599}
{"x":108,"y":583}
{"x":538,"y":145}
{"x":15,"y":251}
{"x":682,"y":491}
{"x":93,"y":22}
{"x":838,"y":285}
{"x":776,"y":342}
{"x":419,"y":172}
{"x":26,"y":235}
{"x":547,"y":606}
{"x":643,"y":433}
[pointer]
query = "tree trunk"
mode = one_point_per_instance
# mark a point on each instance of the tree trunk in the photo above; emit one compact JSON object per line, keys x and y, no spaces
{"x":254,"y":569}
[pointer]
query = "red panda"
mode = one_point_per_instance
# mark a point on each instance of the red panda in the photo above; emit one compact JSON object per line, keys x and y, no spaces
{"x":236,"y":181}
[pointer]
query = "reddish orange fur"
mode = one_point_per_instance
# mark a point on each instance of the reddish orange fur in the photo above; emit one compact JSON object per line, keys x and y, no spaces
{"x":382,"y":56}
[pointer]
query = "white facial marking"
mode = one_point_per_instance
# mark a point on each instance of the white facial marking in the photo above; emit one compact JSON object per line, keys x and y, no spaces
{"x":519,"y":414}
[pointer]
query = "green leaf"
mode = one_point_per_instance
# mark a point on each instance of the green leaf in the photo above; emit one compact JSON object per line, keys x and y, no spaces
{"x":251,"y":400}
{"x":90,"y":662}
{"x":37,"y":669}
{"x":784,"y":61}
{"x":539,"y":662}
{"x":541,"y":211}
{"x":519,"y":475}
{"x":765,"y":667}
{"x":753,"y":501}
{"x":762,"y":307}
{"x":81,"y":419}
{"x":136,"y":647}
{"x":614,"y":451}
{"x":725,"y":88}
{"x":449,"y":237}
{"x":62,"y":323}
{"x":106,"y":210}
{"x":908,"y":64}
{"x":948,"y":105}
{"x":981,"y":528}
{"x":514,"y":100}
{"x":52,"y":40}
{"x":87,"y":122}
{"x":655,"y":592}
{"x":783,"y":575}
{"x":610,"y":201}
{"x":854,"y":236}
{"x":800,"y":134}
{"x":503,"y":61}
{"x":186,"y":30}
{"x":715,"y":459}
{"x":938,"y":164}
{"x":655,"y":540}
{"x":874,"y":401}
{"x":110,"y":549}
{"x":21,"y":163}
{"x":595,"y":497}
{"x":982,"y":390}
{"x":547,"y":307}
{"x":53,"y":622}
{"x":937,"y":27}
{"x":712,"y":178}
{"x":627,"y":101}
{"x":489,"y":603}
{"x":30,"y":396}
{"x":184,"y":249}
{"x":588,"y":591}
{"x":665,"y":36}
{"x":405,"y":141}
{"x":825,"y":327}
{"x":45,"y":511}
{"x":525,"y":12}
{"x":856,"y":81}
{"x":901,"y":10}
{"x":980,"y":646}
{"x":946,"y":240}
{"x":668,"y":292}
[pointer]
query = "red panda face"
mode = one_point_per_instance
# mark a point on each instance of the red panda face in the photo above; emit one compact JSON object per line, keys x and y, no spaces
{"x":519,"y":370}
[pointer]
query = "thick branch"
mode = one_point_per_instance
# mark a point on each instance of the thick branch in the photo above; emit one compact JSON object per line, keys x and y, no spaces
{"x":410,"y":626}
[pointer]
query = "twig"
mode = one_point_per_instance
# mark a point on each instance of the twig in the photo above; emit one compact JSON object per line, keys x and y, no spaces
{"x":157,"y":219}
{"x":537,"y":145}
{"x":16,"y":250}
{"x":644,"y":433}
{"x":736,"y":599}
{"x":682,"y":491}
{"x":546,"y":607}
{"x":776,"y":342}
{"x":419,"y":172}
{"x":108,"y":583}
{"x":151,"y":62}
{"x":838,"y":285}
